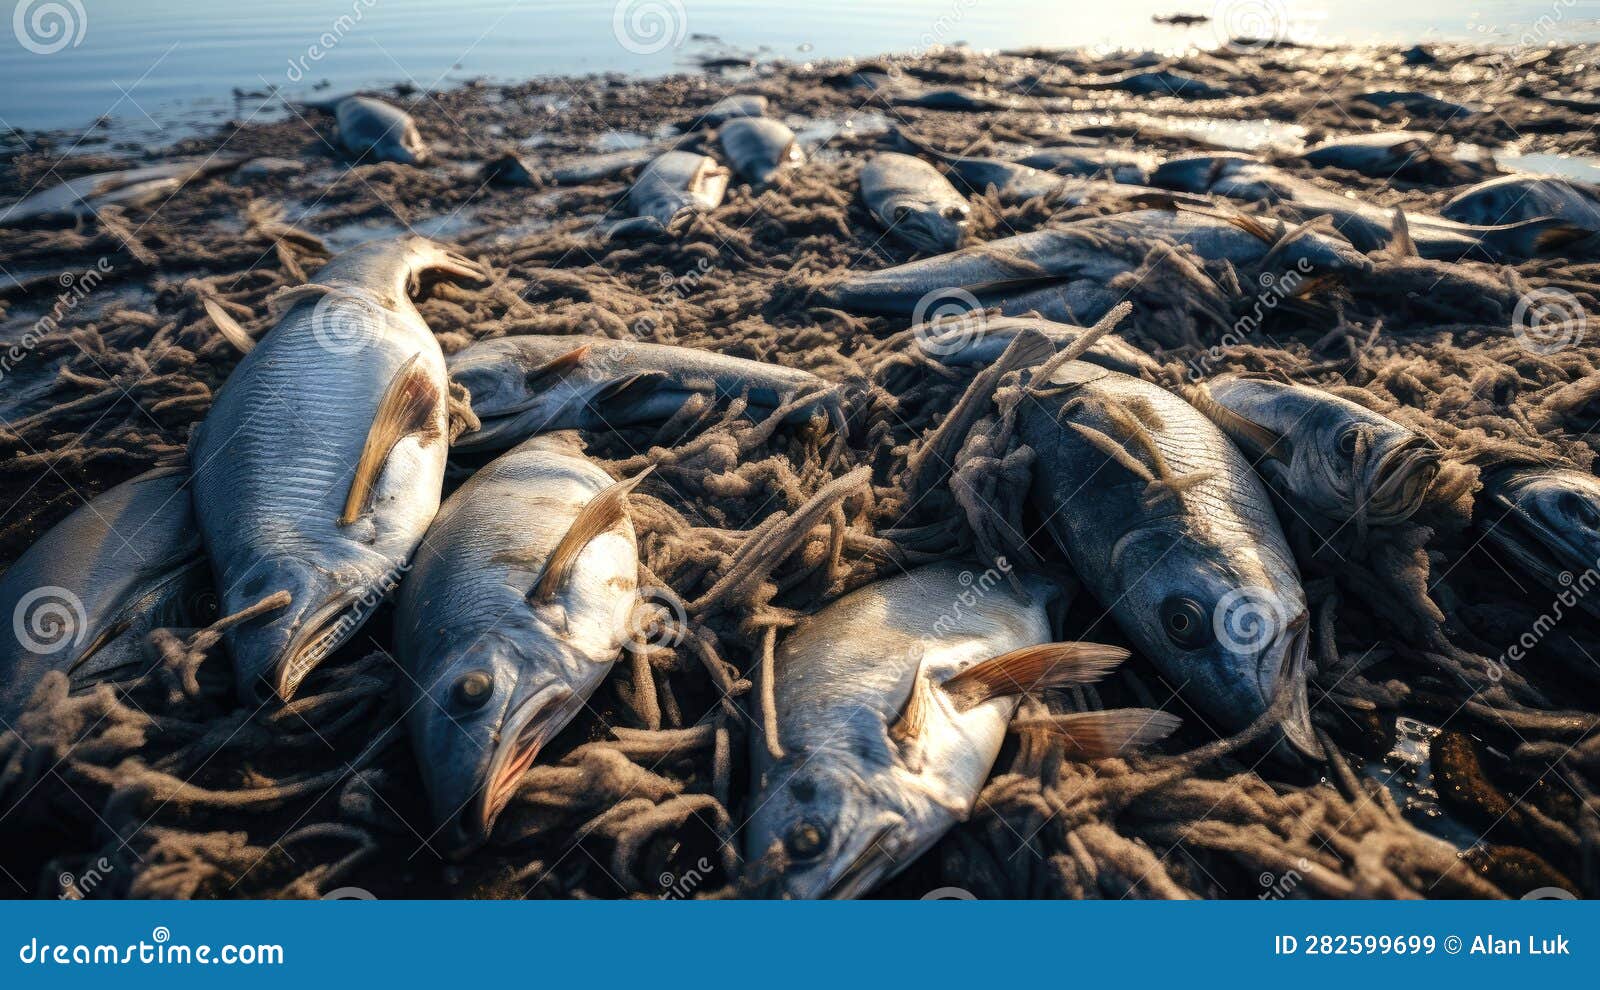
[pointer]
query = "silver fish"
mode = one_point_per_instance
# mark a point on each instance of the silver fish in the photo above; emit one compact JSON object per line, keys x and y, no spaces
{"x":83,"y":597}
{"x":1129,"y":167}
{"x":1324,"y":452}
{"x":517,"y":605}
{"x":760,"y":149}
{"x":1015,"y":182}
{"x":522,"y":386}
{"x":387,"y":133}
{"x":1372,"y":228}
{"x":1156,"y":82}
{"x":892,"y":703}
{"x":979,"y":341}
{"x":915,"y":202}
{"x":1417,"y":103}
{"x":1075,"y":254}
{"x":732,"y":106}
{"x":320,"y":464}
{"x":1547,"y":522}
{"x":1170,"y":528}
{"x":87,"y":194}
{"x":1514,"y":198}
{"x":1385,"y":155}
{"x":675,"y":184}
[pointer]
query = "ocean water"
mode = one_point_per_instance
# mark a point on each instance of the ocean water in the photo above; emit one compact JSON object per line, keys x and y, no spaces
{"x":152,"y":65}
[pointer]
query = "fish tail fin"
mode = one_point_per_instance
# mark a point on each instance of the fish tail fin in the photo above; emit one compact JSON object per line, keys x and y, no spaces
{"x":1102,"y":735}
{"x":1531,"y":238}
{"x":1033,"y":668}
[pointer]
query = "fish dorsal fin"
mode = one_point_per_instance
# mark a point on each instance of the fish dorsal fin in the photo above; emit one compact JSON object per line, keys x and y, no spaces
{"x":559,"y":366}
{"x":1102,"y":735}
{"x":599,"y":515}
{"x":1402,"y":244}
{"x":1031,"y":668}
{"x":226,"y":325}
{"x":409,"y":406}
{"x":1255,"y":438}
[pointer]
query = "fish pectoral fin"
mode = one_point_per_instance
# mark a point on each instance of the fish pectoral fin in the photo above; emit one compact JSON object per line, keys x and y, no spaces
{"x":914,"y":717}
{"x":1032,"y":668}
{"x":226,"y":325}
{"x":409,"y":406}
{"x":1401,"y":243}
{"x":1102,"y":735}
{"x":1256,"y":439}
{"x":599,"y":515}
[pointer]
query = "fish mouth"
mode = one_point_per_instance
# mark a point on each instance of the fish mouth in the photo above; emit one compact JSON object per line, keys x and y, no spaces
{"x":1294,"y":675}
{"x":874,"y":862}
{"x":1402,"y":479}
{"x":527,"y":728}
{"x":322,"y":632}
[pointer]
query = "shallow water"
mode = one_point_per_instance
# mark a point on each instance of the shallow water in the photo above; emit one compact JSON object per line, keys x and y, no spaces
{"x":149,"y":63}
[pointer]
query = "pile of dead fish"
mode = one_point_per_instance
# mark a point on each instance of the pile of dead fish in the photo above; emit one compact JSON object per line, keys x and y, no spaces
{"x":313,"y":490}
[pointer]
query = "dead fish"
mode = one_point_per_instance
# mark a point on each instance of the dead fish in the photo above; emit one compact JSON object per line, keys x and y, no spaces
{"x":1014,"y":182}
{"x":978,"y":341}
{"x":1386,"y":155}
{"x":1156,"y":82}
{"x":593,"y":168}
{"x":1170,"y":528}
{"x":956,"y":98}
{"x":1547,"y":521}
{"x":674,"y":185}
{"x":319,"y":466}
{"x":87,"y":194}
{"x":1417,"y":103}
{"x":521,"y":386}
{"x":514,"y":611}
{"x":1196,"y":173}
{"x":84,"y":596}
{"x":1373,"y":228}
{"x":759,"y":148}
{"x":915,"y":202}
{"x":382,"y":130}
{"x":728,"y":108}
{"x":1321,"y":451}
{"x":1039,"y":263}
{"x":1129,"y":167}
{"x":892,"y":703}
{"x":1516,"y":198}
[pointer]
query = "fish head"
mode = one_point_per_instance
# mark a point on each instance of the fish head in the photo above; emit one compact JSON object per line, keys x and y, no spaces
{"x":483,"y":720}
{"x":403,"y":143}
{"x":274,"y":651}
{"x":929,"y":227}
{"x":823,"y":830}
{"x":1549,"y":521}
{"x":1228,"y":626}
{"x":1353,"y":460}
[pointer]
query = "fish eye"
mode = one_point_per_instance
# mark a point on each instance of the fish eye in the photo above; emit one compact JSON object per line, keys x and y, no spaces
{"x":1347,"y":442}
{"x":1580,"y":508}
{"x":472,"y":689}
{"x":806,"y":841}
{"x":1184,"y":621}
